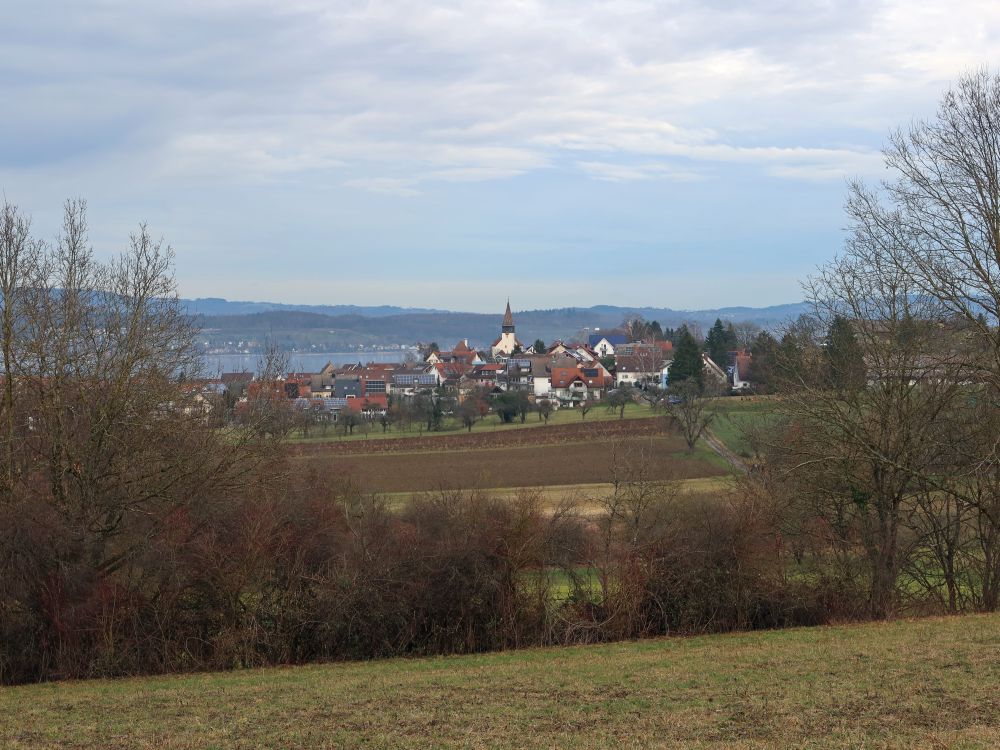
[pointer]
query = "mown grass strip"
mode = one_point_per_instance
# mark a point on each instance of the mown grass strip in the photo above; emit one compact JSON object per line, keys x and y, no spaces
{"x":923,"y":683}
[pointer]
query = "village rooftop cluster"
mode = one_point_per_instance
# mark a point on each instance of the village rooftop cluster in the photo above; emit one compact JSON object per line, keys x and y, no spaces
{"x":563,"y":374}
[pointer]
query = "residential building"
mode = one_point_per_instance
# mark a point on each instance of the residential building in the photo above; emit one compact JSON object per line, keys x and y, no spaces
{"x":603,"y":344}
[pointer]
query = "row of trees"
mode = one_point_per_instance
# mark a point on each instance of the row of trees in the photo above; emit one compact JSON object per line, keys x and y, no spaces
{"x":887,"y":459}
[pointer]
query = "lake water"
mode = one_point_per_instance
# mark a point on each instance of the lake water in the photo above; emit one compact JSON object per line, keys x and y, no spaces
{"x":297,"y":362}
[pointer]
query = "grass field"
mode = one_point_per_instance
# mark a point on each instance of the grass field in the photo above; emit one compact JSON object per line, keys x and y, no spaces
{"x":909,"y":684}
{"x":733,"y":415}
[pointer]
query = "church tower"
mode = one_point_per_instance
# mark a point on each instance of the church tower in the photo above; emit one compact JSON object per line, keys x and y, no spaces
{"x":505,"y":345}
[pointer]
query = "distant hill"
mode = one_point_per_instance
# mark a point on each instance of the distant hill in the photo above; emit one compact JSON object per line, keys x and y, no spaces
{"x":219,"y":306}
{"x":332,"y":328}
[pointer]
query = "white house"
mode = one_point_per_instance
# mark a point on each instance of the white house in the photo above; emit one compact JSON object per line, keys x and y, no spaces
{"x":604,"y":344}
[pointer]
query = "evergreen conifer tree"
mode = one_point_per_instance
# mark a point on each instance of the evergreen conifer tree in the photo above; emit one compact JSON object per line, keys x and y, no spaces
{"x":717,"y":343}
{"x":687,"y":363}
{"x":845,"y":361}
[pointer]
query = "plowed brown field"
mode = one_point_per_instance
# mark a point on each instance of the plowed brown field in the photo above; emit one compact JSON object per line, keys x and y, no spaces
{"x":556,"y":434}
{"x":563,"y":455}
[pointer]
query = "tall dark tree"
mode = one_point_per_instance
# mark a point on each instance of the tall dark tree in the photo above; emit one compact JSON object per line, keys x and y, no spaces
{"x":505,"y":405}
{"x":720,"y":340}
{"x":732,"y":338}
{"x":539,"y":346}
{"x":687,"y":364}
{"x":844,"y":357}
{"x":762,"y":373}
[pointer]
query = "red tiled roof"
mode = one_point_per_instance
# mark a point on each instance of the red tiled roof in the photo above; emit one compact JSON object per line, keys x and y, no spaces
{"x":374,"y":401}
{"x":563,"y":376}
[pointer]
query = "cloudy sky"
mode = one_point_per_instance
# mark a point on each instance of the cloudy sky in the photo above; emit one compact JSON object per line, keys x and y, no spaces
{"x":680,"y":154}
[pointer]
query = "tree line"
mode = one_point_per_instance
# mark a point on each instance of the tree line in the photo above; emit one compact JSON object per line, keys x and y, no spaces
{"x":884,"y":455}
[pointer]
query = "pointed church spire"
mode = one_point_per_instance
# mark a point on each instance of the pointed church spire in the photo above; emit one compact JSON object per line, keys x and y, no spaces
{"x":508,"y":319}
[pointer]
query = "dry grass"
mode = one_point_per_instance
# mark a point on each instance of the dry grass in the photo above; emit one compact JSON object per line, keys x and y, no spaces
{"x":585,"y":498}
{"x":910,"y":684}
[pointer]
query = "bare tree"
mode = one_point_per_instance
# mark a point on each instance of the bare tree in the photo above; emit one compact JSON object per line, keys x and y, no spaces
{"x":919,"y":285}
{"x":863,"y":443}
{"x":637,"y":517}
{"x":111,"y":441}
{"x":653,"y":395}
{"x":620,"y":398}
{"x":469,"y":412}
{"x":545,"y":409}
{"x":690,"y":411}
{"x":746,"y":334}
{"x":19,"y":276}
{"x":636,"y":328}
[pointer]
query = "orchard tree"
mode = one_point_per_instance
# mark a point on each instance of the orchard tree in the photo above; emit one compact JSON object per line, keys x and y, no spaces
{"x":469,"y":413}
{"x":545,"y":409}
{"x":689,"y":410}
{"x":619,"y":398}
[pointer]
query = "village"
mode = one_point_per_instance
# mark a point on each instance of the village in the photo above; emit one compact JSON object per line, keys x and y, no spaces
{"x":564,"y":374}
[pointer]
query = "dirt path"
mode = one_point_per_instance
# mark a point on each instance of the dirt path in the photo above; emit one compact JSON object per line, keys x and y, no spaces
{"x":719,"y":447}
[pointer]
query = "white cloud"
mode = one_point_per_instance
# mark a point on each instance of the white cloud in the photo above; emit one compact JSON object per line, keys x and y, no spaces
{"x":387,"y":185}
{"x":615,"y":172}
{"x":397,"y":86}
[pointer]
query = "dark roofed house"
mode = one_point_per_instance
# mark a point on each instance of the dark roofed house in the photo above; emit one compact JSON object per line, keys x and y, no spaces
{"x":410,"y":381}
{"x":604,"y":344}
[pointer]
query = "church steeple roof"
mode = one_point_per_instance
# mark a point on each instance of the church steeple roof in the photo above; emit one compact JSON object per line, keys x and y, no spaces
{"x":508,"y":319}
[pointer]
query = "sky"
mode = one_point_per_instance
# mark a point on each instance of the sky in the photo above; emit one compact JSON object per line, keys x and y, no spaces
{"x":451,"y":154}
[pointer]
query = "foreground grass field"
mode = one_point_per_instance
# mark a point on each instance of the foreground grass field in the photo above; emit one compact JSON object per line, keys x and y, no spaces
{"x":910,"y":684}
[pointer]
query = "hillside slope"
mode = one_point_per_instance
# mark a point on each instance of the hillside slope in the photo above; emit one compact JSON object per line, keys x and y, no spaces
{"x":349,"y":326}
{"x":922,"y":683}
